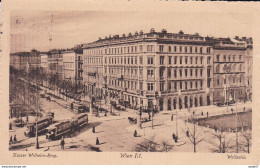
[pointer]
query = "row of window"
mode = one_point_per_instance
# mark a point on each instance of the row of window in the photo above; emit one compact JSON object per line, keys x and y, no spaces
{"x":68,"y":65}
{"x":182,"y":85}
{"x":150,"y":60}
{"x":229,"y":68}
{"x":229,"y":80}
{"x":228,"y":58}
{"x":128,"y":60}
{"x":125,"y":84}
{"x":147,"y":48}
{"x":88,"y":60}
{"x":186,"y":60}
{"x":182,"y":72}
{"x":185,"y":49}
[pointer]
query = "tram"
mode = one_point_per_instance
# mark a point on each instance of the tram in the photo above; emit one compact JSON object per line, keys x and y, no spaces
{"x":42,"y":123}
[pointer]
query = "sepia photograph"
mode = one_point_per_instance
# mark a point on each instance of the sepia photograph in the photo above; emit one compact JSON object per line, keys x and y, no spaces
{"x":135,"y":88}
{"x":130,"y":82}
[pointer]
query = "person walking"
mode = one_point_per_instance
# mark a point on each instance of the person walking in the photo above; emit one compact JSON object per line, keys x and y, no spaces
{"x":172,"y":117}
{"x":11,"y":140}
{"x":187,"y":133}
{"x":62,"y":143}
{"x":93,"y":129}
{"x":97,"y":141}
{"x":15,"y":138}
{"x":135,"y":133}
{"x":10,"y":126}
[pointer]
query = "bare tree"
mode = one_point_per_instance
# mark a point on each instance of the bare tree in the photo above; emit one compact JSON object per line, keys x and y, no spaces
{"x":220,"y":142}
{"x":246,"y":141}
{"x":149,"y":145}
{"x":195,"y":135}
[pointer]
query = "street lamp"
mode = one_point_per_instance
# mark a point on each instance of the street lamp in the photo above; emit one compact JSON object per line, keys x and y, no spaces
{"x":179,"y":94}
{"x":153,"y":109}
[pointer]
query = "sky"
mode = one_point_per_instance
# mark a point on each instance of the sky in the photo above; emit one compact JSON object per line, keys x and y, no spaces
{"x":33,"y":29}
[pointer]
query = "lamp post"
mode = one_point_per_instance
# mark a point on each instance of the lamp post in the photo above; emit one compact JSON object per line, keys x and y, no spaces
{"x":36,"y":134}
{"x":156,"y":99}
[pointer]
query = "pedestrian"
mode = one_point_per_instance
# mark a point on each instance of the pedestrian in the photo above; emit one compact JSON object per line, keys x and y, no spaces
{"x":27,"y":119}
{"x":135,"y":133}
{"x":207,"y":114}
{"x":173,"y":136}
{"x":149,"y":116}
{"x":202,"y":113}
{"x":187,"y":133}
{"x":62,"y":143}
{"x":97,"y":141}
{"x":11,"y":140}
{"x":93,"y":130}
{"x":232,"y":110}
{"x":176,"y":139}
{"x":10,"y":126}
{"x":15,"y":138}
{"x":193,"y":112}
{"x":172,"y":117}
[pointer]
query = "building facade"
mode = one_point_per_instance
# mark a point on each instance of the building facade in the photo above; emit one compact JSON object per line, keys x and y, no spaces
{"x":69,"y":65}
{"x":229,"y":70}
{"x":44,"y":62}
{"x":21,"y":60}
{"x":166,"y":70}
{"x":55,"y":63}
{"x":248,"y":67}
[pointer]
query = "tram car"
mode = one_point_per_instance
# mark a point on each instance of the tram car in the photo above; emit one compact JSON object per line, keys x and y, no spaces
{"x":57,"y":130}
{"x":79,"y":121}
{"x":42,"y":123}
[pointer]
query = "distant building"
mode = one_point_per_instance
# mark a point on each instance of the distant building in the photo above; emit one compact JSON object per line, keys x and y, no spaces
{"x":69,"y":65}
{"x":55,"y":63}
{"x":21,"y":59}
{"x":44,"y":62}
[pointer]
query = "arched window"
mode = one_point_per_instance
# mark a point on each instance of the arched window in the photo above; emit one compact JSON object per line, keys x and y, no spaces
{"x":169,"y":104}
{"x":174,"y":103}
{"x":234,"y":68}
{"x":201,"y":101}
{"x":225,"y":68}
{"x":191,"y":102}
{"x":196,"y":102}
{"x":186,"y":101}
{"x":180,"y":103}
{"x":217,"y":69}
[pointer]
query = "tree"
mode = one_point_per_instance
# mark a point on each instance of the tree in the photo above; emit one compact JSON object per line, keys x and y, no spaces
{"x":195,"y":136}
{"x":220,"y":142}
{"x":246,"y":141}
{"x":149,"y":145}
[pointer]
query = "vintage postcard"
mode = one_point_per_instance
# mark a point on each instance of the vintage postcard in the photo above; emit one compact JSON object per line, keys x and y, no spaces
{"x":129,"y":82}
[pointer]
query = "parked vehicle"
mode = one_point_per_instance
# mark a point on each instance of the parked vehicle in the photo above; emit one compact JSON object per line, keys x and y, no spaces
{"x":41,"y":124}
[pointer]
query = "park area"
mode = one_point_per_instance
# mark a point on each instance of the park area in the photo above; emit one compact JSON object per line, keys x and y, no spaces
{"x":227,"y":122}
